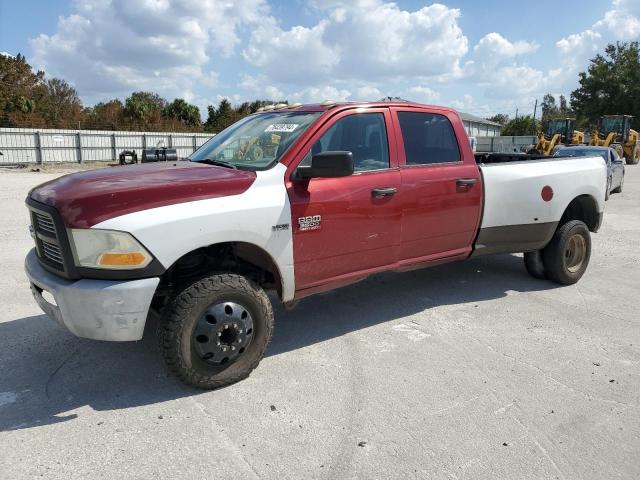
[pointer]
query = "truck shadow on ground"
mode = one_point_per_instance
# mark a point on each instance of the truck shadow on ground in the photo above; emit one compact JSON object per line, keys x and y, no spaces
{"x":45,"y":371}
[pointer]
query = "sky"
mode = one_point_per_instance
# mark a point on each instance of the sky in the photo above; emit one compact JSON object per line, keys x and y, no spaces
{"x":479,"y":56}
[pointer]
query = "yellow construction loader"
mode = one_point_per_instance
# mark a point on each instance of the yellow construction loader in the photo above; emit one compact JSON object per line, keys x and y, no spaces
{"x":559,"y":132}
{"x":615,"y":131}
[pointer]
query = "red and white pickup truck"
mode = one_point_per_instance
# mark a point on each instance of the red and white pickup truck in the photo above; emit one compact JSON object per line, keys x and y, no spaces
{"x":296,"y":200}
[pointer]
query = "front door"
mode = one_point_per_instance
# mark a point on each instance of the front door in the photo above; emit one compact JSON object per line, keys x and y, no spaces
{"x":348,"y":226}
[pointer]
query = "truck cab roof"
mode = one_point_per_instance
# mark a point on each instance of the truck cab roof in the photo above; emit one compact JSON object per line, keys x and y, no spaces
{"x":329,"y":105}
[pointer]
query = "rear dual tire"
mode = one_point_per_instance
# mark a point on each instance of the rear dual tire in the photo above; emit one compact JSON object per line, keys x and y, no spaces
{"x":534,"y":264}
{"x":565,"y":259}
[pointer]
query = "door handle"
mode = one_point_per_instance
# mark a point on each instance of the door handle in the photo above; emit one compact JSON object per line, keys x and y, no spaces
{"x":466,"y":182}
{"x":384,"y":192}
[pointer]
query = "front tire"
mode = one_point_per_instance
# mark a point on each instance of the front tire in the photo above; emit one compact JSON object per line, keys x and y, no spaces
{"x":567,"y":256}
{"x":215,"y":331}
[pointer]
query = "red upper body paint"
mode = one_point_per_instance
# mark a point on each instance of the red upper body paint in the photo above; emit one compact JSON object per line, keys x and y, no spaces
{"x":87,"y":198}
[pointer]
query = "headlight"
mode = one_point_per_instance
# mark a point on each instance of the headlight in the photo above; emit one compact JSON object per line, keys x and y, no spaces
{"x":107,"y":249}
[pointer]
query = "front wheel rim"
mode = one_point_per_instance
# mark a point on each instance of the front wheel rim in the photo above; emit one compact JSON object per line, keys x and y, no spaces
{"x":223,"y":333}
{"x":575,"y":253}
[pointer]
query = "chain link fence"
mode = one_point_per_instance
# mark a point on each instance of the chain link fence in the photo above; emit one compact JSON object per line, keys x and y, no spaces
{"x":37,"y":146}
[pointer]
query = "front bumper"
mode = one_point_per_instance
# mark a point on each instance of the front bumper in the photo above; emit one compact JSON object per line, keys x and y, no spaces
{"x":97,"y":309}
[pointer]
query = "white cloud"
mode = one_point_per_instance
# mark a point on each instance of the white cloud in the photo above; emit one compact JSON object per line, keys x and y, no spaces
{"x":424,"y":94}
{"x":494,"y":46}
{"x":108,"y":48}
{"x":361,"y":39}
{"x":620,"y":23}
{"x":258,"y":87}
{"x":494,"y":69}
{"x":291,"y":56}
{"x":354,"y":50}
{"x":515,"y":80}
{"x":623,"y":20}
{"x":319,"y":94}
{"x":467,"y":103}
{"x":578,"y":45}
{"x":366,"y":93}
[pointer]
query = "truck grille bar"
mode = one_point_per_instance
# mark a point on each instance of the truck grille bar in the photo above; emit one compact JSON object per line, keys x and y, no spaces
{"x":44,"y":223}
{"x":52,"y":252}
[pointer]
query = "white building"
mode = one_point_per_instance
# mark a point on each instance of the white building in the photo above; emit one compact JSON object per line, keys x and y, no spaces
{"x":480,"y":127}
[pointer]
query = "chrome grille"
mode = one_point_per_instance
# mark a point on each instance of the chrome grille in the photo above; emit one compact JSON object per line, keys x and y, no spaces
{"x":51,"y":252}
{"x":44,"y":223}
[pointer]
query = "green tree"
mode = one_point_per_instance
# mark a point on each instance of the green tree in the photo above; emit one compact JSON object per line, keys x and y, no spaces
{"x":221,"y":117}
{"x":564,"y":109}
{"x":62,"y":107}
{"x":549,"y":110}
{"x":106,"y":116}
{"x":526,"y":125}
{"x":21,"y":91}
{"x":144,"y":109}
{"x":212,"y":116}
{"x":552,"y":110}
{"x":500,"y":118}
{"x":184,"y":112}
{"x":611,"y":85}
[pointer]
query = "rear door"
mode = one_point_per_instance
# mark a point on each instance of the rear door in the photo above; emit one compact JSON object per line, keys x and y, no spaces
{"x":441,"y":186}
{"x":344,"y":227}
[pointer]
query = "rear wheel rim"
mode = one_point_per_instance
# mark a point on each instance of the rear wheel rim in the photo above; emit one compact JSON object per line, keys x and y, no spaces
{"x":222,"y":333}
{"x":575,"y":253}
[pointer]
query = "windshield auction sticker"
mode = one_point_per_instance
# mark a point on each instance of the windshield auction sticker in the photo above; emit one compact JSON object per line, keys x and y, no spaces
{"x":281,"y":127}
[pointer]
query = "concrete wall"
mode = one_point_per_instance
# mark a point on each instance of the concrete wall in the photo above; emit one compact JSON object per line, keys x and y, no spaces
{"x":503,"y":144}
{"x":477,"y":129}
{"x":28,"y":145}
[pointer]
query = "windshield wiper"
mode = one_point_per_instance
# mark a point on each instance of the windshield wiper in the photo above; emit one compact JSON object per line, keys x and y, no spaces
{"x":219,"y":163}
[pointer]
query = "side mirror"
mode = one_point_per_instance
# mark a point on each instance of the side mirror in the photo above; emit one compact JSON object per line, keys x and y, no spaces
{"x":327,"y":165}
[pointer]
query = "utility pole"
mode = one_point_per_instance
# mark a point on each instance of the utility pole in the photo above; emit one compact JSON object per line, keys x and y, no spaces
{"x":516,"y":113}
{"x":535,"y":109}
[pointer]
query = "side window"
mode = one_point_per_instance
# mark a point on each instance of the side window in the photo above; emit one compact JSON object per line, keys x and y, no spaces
{"x":363,"y":134}
{"x":428,"y":138}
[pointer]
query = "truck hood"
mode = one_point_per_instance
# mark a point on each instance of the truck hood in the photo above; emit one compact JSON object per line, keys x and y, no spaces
{"x":87,"y":198}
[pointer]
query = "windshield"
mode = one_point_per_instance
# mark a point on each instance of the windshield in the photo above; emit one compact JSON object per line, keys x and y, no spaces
{"x":256,"y":142}
{"x":581,"y":152}
{"x":556,"y":126}
{"x":612,"y":124}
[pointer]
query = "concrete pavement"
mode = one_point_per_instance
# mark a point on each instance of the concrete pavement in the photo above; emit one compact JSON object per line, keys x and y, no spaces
{"x":464,"y":371}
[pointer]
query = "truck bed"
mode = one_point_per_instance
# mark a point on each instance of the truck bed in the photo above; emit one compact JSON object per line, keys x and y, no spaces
{"x":525,"y":197}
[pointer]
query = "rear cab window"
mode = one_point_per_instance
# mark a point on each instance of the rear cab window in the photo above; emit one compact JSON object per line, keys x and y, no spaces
{"x":428,"y":138}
